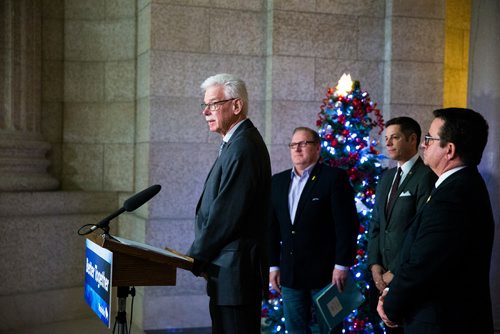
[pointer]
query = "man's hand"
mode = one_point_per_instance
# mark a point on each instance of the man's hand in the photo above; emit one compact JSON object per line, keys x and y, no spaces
{"x":378,"y":277}
{"x":381,"y":312}
{"x":339,"y":277}
{"x":274,"y":279}
{"x":387,"y":277}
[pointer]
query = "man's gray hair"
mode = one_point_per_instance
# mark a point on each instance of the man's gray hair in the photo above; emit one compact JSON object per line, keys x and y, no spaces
{"x":234,"y":87}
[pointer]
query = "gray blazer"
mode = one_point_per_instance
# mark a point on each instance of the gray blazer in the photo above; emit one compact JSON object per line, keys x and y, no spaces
{"x":386,"y":233}
{"x":231,"y":221}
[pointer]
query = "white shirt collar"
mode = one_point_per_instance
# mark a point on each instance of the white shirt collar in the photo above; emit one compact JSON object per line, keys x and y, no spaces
{"x":407,"y":166}
{"x":305,"y":173}
{"x":233,"y":129}
{"x":447,"y":174}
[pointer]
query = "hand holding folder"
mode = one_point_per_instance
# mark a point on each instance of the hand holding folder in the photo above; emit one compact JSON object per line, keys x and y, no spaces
{"x":334,"y":306}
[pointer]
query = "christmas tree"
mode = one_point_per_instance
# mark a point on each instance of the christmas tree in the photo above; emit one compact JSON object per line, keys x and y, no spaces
{"x":346,"y":121}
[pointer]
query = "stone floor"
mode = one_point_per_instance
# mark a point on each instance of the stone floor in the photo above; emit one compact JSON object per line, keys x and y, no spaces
{"x":95,"y":326}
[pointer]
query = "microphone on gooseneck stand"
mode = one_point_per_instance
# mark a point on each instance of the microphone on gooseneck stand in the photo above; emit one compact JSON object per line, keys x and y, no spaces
{"x":140,"y":198}
{"x":129,"y":205}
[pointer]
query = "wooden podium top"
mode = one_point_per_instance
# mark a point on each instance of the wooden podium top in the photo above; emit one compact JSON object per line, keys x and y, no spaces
{"x":137,"y":264}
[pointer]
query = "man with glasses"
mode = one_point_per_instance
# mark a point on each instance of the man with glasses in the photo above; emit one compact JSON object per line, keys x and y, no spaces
{"x":231,"y":215}
{"x":442,"y":284}
{"x":401,"y":192}
{"x":313,"y":229}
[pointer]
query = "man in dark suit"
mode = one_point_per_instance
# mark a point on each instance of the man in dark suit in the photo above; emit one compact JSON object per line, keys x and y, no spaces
{"x":397,"y":200}
{"x":442,"y":284}
{"x":231,"y":215}
{"x":313,"y":229}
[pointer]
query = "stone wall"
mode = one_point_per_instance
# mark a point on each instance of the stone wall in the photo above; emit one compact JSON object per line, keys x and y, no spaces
{"x":114,"y":108}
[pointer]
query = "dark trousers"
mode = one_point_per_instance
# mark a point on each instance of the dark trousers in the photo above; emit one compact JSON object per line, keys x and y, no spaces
{"x":235,"y":319}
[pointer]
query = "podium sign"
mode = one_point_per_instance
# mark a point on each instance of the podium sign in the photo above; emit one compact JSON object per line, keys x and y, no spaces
{"x":98,"y":272}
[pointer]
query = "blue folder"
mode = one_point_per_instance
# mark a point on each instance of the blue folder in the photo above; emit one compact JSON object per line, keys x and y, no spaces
{"x":334,"y":306}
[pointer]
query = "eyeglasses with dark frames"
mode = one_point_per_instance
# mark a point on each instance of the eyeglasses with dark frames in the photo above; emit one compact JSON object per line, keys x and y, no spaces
{"x":428,"y":138}
{"x":214,"y":106}
{"x":300,"y":144}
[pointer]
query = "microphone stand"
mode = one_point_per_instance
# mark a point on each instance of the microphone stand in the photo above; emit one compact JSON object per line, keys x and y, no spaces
{"x":121,"y":315}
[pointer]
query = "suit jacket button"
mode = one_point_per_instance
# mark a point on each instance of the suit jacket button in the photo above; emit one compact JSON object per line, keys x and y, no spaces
{"x":291,"y":253}
{"x":293,"y":232}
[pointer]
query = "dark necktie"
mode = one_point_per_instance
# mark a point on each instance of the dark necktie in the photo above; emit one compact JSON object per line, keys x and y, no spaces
{"x":221,"y":147}
{"x":394,"y":192}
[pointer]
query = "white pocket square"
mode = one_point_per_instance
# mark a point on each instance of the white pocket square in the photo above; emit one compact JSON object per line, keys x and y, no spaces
{"x":405,"y":194}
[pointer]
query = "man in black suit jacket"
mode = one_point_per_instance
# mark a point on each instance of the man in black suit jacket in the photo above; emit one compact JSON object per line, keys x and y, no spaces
{"x":442,"y":284}
{"x":231,"y":215}
{"x":391,"y":218}
{"x":313,"y":229}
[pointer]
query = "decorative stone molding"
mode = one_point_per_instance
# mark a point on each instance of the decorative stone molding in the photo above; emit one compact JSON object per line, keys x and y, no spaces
{"x":23,"y":166}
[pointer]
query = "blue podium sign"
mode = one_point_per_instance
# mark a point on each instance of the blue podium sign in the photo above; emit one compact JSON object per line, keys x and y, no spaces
{"x":98,"y":273}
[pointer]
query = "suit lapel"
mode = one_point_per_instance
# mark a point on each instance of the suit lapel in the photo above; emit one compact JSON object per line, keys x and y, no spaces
{"x":245,"y":125}
{"x":402,"y":186}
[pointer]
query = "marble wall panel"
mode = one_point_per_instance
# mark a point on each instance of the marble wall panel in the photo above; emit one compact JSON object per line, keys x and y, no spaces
{"x":319,"y":35}
{"x":120,"y":39}
{"x":181,"y":74}
{"x":83,"y":166}
{"x":374,"y":8}
{"x":417,"y":39}
{"x":421,"y":113}
{"x":177,"y":235}
{"x":83,"y":81}
{"x":254,"y":5}
{"x":171,"y":311}
{"x":294,"y":5}
{"x":371,"y":38}
{"x":193,"y":3}
{"x":180,"y":28}
{"x":280,"y":158}
{"x":419,"y":8}
{"x":287,"y":115}
{"x":118,"y":167}
{"x":120,"y":9}
{"x":177,"y":120}
{"x":237,"y":32}
{"x":417,"y":83}
{"x":90,"y":10}
{"x":25,"y":268}
{"x":293,"y":78}
{"x":85,"y":40}
{"x":119,"y":81}
{"x":99,"y":123}
{"x":181,"y":169}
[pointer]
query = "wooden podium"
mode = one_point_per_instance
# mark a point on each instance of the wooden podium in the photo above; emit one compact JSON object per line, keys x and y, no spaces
{"x":136,"y":264}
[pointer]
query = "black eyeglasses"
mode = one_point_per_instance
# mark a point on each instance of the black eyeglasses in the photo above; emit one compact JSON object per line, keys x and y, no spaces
{"x":300,"y":144}
{"x":429,"y":138}
{"x":213,"y":106}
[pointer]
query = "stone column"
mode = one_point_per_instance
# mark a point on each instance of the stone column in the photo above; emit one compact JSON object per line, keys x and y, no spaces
{"x":23,"y":166}
{"x":484,"y":97}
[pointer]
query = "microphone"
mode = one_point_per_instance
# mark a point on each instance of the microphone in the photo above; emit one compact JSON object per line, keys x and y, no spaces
{"x":130,"y":205}
{"x":140,"y":198}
